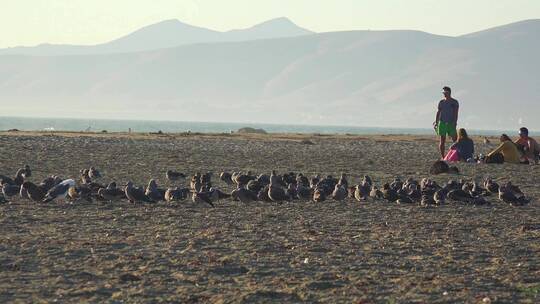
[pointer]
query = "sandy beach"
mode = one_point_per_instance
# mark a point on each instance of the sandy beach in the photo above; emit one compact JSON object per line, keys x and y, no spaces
{"x":265,"y":252}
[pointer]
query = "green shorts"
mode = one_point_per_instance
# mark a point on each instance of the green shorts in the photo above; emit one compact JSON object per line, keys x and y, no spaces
{"x":444,"y":128}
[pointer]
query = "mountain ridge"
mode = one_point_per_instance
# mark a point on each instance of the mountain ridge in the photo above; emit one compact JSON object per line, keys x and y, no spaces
{"x":363,"y":78}
{"x":165,"y":34}
{"x":515,"y":26}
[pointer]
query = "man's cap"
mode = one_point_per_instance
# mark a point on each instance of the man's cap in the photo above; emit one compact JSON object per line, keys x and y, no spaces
{"x":447,"y":89}
{"x":523,"y":131}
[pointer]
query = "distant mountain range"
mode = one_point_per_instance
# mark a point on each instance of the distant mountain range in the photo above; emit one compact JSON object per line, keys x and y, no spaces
{"x":167,"y":34}
{"x":290,"y":75}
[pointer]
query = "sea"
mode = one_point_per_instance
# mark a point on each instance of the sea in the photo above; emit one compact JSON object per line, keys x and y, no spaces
{"x":110,"y":125}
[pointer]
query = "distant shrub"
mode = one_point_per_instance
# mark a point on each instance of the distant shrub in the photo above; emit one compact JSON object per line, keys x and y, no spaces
{"x":247,"y":130}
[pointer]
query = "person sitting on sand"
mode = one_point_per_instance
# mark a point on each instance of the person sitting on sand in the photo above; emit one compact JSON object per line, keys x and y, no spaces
{"x":446,"y":119}
{"x":528,"y":146}
{"x":507,"y":151}
{"x":464,"y":146}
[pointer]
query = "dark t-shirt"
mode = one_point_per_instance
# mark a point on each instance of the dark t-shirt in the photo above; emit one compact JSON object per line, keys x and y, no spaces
{"x":465,"y":148}
{"x":448,"y":110}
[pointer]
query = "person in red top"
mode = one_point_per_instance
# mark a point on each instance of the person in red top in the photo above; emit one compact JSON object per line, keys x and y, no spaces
{"x":528,"y":146}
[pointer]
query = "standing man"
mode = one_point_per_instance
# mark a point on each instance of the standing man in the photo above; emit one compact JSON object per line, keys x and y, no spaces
{"x":446,"y":119}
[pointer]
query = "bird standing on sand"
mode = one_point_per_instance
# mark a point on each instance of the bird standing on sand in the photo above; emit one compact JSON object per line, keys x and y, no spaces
{"x":59,"y":191}
{"x":216,"y":195}
{"x":153,"y":192}
{"x":23,"y":193}
{"x":275,"y":179}
{"x":427,"y":200}
{"x":340,"y":193}
{"x":350,"y":192}
{"x":389,"y":193}
{"x":364,"y":189}
{"x":302,"y":180}
{"x":27,"y":171}
{"x":290,"y":192}
{"x":360,"y":193}
{"x":33,"y":192}
{"x":491,"y":186}
{"x":254,"y":185}
{"x":5,"y":179}
{"x":226,"y":177}
{"x":81,"y":192}
{"x":106,"y":195}
{"x":303,"y":192}
{"x":477,"y":190}
{"x":176,"y":194}
{"x":195,"y":182}
{"x":367,"y":180}
{"x":262,"y":195}
{"x":135,"y":195}
{"x":396,"y":184}
{"x":111,"y":192}
{"x":263,"y":179}
{"x":459,"y":195}
{"x":47,"y":183}
{"x":19,"y":177}
{"x":93,"y":173}
{"x":9,"y":190}
{"x":507,"y":195}
{"x":244,"y":195}
{"x":314,"y":181}
{"x":414,"y":192}
{"x":86,"y":180}
{"x":319,"y":195}
{"x":242,"y":179}
{"x":202,"y":198}
{"x":375,"y":193}
{"x":288,"y":178}
{"x":85,"y":176}
{"x":207,"y":178}
{"x":343,"y":180}
{"x":440,"y":196}
{"x":276,"y":193}
{"x":513,"y":188}
{"x":463,"y":185}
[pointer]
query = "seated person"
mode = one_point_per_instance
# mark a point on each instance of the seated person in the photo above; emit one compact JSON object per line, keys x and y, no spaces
{"x":464,"y":146}
{"x":528,"y":146}
{"x":507,"y":149}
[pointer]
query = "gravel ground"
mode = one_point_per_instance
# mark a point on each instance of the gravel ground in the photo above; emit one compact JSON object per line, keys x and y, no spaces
{"x":264,"y":252}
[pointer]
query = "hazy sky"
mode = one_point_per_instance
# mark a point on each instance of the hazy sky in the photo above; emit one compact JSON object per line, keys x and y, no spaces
{"x":30,"y":22}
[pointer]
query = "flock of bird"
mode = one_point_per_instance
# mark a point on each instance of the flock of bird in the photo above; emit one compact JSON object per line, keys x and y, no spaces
{"x":249,"y":188}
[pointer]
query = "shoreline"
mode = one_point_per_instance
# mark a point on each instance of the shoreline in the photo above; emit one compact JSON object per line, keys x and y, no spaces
{"x":121,"y":125}
{"x":236,"y":135}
